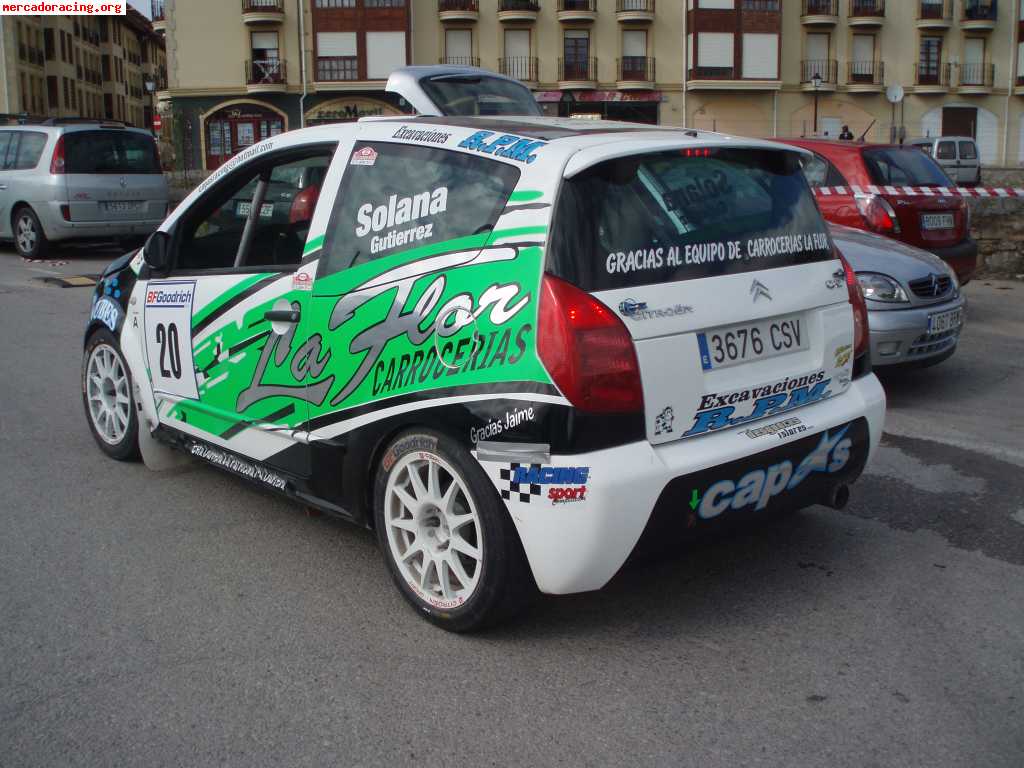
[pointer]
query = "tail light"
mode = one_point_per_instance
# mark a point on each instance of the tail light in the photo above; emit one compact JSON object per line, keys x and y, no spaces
{"x":860,"y":309}
{"x":587,"y":350}
{"x":58,"y":164}
{"x":303,"y":205}
{"x":65,"y":212}
{"x":878,"y":214}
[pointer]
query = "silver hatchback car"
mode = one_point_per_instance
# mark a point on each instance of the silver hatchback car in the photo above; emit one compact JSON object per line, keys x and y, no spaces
{"x":916,"y":310}
{"x":75,"y":180}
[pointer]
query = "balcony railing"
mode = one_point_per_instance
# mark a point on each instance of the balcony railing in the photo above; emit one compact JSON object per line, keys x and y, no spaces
{"x":262,"y":6}
{"x":577,"y":5}
{"x":711,"y":73}
{"x":935,"y":10}
{"x":865,"y":72}
{"x":625,"y":6}
{"x":157,"y":9}
{"x":577,"y":69}
{"x":821,"y":8}
{"x":519,"y":67}
{"x":980,"y":10}
{"x":766,"y":6}
{"x":826,"y":69}
{"x":460,"y":61}
{"x":639,"y":68}
{"x":444,"y":6}
{"x":519,"y":5}
{"x":266,"y":72}
{"x":932,"y":74}
{"x":860,"y":8}
{"x":336,"y":68}
{"x":978,"y":74}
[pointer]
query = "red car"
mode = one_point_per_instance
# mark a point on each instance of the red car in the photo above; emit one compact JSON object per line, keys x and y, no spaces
{"x":939,"y":224}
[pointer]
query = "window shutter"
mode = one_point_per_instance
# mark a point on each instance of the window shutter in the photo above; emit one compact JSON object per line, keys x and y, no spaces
{"x":761,"y":56}
{"x":336,"y":43}
{"x":714,"y":49}
{"x":385,"y":52}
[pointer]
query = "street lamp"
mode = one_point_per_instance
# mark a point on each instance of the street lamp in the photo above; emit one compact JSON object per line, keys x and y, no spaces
{"x":150,"y":86}
{"x":817,"y":84}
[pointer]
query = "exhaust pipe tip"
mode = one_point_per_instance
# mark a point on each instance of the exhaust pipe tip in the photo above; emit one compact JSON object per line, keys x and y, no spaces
{"x":839,"y":497}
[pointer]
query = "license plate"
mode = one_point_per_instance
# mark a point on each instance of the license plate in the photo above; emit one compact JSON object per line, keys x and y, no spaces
{"x":737,"y":344}
{"x":937,"y":221}
{"x":243,"y":209}
{"x":945,"y":321}
{"x":121,"y":206}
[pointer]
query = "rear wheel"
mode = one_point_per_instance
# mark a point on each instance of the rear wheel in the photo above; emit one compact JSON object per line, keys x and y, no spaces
{"x":447,"y":538}
{"x":107,"y":396}
{"x":29,"y":238}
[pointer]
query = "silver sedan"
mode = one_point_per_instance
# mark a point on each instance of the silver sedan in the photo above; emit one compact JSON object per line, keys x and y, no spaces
{"x":915,"y":308}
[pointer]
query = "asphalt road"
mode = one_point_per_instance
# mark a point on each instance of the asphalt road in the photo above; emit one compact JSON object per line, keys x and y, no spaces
{"x":188,"y":619}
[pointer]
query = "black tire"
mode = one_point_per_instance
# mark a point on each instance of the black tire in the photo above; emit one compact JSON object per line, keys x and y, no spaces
{"x":504,"y":585}
{"x":29,"y":238}
{"x":123,"y":444}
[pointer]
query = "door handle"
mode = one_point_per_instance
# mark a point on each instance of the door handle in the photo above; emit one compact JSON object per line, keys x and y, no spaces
{"x":282,"y":315}
{"x":3,"y":187}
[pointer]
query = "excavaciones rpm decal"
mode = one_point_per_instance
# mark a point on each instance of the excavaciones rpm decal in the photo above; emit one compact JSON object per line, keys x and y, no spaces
{"x":457,"y":314}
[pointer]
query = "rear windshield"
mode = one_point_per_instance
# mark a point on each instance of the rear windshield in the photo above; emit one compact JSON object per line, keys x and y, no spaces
{"x":680,"y":215}
{"x":471,"y":95}
{"x":908,"y":167}
{"x":110,"y":152}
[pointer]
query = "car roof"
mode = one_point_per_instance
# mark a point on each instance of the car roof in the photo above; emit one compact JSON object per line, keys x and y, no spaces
{"x":840,"y":146}
{"x":74,"y":127}
{"x":930,"y":139}
{"x":566,"y":133}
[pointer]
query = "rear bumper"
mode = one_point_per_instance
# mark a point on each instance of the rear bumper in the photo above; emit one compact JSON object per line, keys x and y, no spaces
{"x":577,"y":537}
{"x":963,"y":258}
{"x":57,"y":229}
{"x":901,"y":335}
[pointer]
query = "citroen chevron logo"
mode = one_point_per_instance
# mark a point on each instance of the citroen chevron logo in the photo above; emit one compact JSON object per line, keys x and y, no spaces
{"x":758,"y":289}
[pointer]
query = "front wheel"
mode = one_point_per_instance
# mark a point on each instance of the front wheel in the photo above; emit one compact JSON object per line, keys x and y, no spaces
{"x":447,"y":539}
{"x":107,"y":395}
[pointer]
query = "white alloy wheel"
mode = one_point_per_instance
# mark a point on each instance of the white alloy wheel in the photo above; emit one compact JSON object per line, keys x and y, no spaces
{"x":433,"y":530}
{"x":26,"y":233}
{"x":107,"y":394}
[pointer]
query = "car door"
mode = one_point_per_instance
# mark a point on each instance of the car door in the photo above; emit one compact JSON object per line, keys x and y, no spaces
{"x":221,"y":327}
{"x":834,"y":195}
{"x":968,"y":163}
{"x":5,"y":185}
{"x":945,"y":155}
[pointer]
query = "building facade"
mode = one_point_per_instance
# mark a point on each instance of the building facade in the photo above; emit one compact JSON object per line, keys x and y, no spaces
{"x":766,"y":67}
{"x":103,"y":67}
{"x":244,"y":70}
{"x":241,"y":70}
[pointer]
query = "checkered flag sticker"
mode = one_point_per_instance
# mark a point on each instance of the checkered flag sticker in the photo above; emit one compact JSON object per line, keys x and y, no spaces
{"x":523,"y":490}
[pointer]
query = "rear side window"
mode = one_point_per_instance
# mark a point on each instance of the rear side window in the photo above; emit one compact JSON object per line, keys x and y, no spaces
{"x":5,"y":142}
{"x":23,"y":150}
{"x":110,"y":152}
{"x":819,"y":172}
{"x":946,"y":151}
{"x":892,"y":165}
{"x":968,"y":151}
{"x":396,"y":197}
{"x":665,"y":217}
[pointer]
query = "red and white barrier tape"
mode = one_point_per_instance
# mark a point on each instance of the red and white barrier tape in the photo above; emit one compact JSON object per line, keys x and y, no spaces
{"x":922,"y":191}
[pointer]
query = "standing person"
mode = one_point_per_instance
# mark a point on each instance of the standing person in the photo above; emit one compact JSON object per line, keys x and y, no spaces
{"x":846,"y":134}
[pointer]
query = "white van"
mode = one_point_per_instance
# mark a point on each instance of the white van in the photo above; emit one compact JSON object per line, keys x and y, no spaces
{"x":958,"y":156}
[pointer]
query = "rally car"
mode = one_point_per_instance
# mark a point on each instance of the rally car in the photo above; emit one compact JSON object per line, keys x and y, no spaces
{"x":510,"y":345}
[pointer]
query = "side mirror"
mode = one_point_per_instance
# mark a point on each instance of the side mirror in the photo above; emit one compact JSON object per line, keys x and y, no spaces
{"x":157,"y":252}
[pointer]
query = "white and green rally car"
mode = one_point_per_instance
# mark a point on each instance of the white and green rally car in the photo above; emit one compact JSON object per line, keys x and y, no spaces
{"x":514,"y":346}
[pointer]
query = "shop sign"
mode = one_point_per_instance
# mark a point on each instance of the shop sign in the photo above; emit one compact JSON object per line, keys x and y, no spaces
{"x":341,"y":110}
